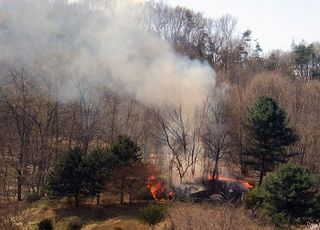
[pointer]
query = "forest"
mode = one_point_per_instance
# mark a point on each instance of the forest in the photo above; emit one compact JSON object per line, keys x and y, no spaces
{"x":130,"y":102}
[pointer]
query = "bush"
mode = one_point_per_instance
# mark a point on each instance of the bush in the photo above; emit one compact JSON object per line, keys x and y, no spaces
{"x":67,"y":202}
{"x":152,"y":214}
{"x":253,"y":198}
{"x":32,"y":197}
{"x":289,"y":195}
{"x":45,"y":224}
{"x":75,"y":223}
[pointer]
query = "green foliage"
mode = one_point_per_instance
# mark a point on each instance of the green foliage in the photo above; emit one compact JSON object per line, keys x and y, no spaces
{"x":152,"y":214}
{"x":306,"y":60}
{"x":128,"y":155}
{"x":45,"y":224}
{"x":98,"y":166}
{"x":303,"y":54}
{"x":67,"y":176}
{"x":125,"y":150}
{"x":253,"y":198}
{"x":77,"y":174}
{"x":67,"y":202}
{"x":290,"y":193}
{"x":286,"y":196}
{"x":32,"y":197}
{"x":269,"y":134}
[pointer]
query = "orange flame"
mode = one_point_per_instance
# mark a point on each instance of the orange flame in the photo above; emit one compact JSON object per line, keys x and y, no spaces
{"x":155,"y":187}
{"x":245,"y":184}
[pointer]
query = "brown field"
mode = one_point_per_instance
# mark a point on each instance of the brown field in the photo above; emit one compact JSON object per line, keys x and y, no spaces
{"x":181,"y":215}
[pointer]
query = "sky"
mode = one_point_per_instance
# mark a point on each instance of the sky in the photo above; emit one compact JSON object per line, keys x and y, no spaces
{"x":275,"y":23}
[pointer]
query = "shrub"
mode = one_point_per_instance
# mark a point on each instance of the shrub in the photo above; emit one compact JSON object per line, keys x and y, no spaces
{"x":75,"y":223}
{"x":289,"y":195}
{"x":152,"y":214}
{"x":253,"y":198}
{"x":45,"y":224}
{"x":32,"y":197}
{"x":67,"y":202}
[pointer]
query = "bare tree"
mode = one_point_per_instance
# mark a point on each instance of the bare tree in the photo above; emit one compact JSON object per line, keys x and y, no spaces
{"x":88,"y":110}
{"x":216,"y":136}
{"x":180,"y":133}
{"x":16,"y":95}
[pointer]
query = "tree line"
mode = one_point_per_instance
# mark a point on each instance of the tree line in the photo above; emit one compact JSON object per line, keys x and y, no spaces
{"x":118,"y":167}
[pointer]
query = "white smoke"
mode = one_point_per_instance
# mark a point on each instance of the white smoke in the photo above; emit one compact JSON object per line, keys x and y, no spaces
{"x":89,"y":44}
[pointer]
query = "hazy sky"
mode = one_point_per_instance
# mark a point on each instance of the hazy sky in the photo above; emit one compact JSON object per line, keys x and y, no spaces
{"x":273,"y":22}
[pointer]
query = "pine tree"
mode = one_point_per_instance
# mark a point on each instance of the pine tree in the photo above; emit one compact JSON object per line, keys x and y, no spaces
{"x":67,"y":176}
{"x":127,"y":153}
{"x":98,"y":166}
{"x":290,"y":192}
{"x":269,"y":135}
{"x":125,"y":150}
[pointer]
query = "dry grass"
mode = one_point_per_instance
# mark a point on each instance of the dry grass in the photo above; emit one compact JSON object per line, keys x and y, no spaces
{"x":107,"y":217}
{"x":182,"y":216}
{"x":118,"y":224}
{"x":9,"y":212}
{"x":186,"y":216}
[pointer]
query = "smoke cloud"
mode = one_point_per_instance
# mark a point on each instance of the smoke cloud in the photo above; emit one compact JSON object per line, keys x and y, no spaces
{"x":93,"y":45}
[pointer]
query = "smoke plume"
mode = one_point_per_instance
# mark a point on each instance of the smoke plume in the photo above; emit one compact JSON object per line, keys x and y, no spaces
{"x":97,"y":46}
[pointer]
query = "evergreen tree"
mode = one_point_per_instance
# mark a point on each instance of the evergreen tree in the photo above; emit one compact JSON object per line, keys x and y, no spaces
{"x":98,"y":166}
{"x":269,"y":134}
{"x":306,"y":60}
{"x":125,"y":150}
{"x":67,"y":176}
{"x":127,"y":153}
{"x":290,"y":194}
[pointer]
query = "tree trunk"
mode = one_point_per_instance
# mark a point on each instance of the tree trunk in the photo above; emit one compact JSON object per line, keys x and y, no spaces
{"x":261,"y":170}
{"x":86,"y":147}
{"x":121,"y":193}
{"x":130,"y":198}
{"x":215,"y":173}
{"x":19,"y":186}
{"x":77,"y":200}
{"x":180,"y":177}
{"x":260,"y":177}
{"x":98,"y":199}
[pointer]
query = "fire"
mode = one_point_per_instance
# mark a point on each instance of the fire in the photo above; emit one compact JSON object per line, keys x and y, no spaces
{"x":156,"y":187}
{"x":245,"y":184}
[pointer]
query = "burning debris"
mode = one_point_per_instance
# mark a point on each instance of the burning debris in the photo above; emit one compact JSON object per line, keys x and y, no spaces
{"x":219,"y":190}
{"x":223,"y":189}
{"x":245,"y":184}
{"x":158,"y":188}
